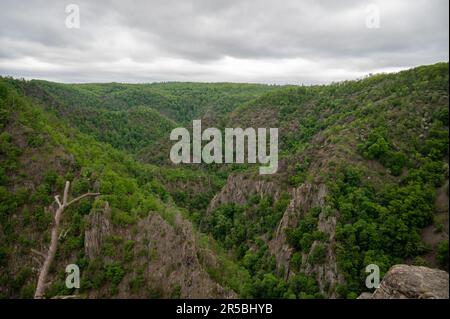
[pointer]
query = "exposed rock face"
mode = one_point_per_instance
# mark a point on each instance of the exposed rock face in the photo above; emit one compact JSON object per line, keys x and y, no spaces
{"x":365,"y":295}
{"x":412,"y":282}
{"x":327,"y":274}
{"x":98,"y":226}
{"x":167,"y":253}
{"x":174,"y":259}
{"x":238,"y":189}
{"x":303,"y":199}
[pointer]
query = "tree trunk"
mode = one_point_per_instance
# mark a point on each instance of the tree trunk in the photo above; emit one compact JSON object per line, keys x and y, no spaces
{"x":41,"y":284}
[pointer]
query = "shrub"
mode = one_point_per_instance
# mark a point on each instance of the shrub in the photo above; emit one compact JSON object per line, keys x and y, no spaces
{"x":442,"y":254}
{"x":114,"y":273}
{"x":318,"y":254}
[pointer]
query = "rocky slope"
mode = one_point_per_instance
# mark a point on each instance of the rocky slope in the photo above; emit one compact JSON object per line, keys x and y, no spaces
{"x":131,"y":242}
{"x":363,"y":178}
{"x":323,"y":138}
{"x":239,"y":188}
{"x":167,"y":260}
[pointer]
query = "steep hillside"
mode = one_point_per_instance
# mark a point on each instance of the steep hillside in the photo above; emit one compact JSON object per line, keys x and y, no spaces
{"x":131,"y":241}
{"x":138,"y":118}
{"x":364,"y":164}
{"x":362,"y":179}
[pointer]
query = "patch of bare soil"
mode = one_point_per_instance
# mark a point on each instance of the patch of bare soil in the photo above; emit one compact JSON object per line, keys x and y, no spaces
{"x":438,"y":231}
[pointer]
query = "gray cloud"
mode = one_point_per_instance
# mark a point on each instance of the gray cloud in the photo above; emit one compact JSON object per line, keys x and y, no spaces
{"x":309,"y":41}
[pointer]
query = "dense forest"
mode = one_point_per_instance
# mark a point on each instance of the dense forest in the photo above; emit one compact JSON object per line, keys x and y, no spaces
{"x":363,"y":179}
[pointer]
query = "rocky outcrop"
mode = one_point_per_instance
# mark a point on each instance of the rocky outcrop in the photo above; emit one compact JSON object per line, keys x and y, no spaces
{"x":412,"y":282}
{"x":327,"y":273}
{"x":174,"y":258}
{"x":167,"y":253}
{"x":98,"y":226}
{"x":304,"y":198}
{"x":239,"y":188}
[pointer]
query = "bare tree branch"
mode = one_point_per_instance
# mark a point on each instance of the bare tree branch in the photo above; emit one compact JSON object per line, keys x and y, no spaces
{"x":41,"y":285}
{"x":66,"y":193}
{"x":57,"y":201}
{"x":81,"y":197}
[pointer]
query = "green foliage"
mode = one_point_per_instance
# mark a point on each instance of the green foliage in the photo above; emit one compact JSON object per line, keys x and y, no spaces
{"x":441,"y":115}
{"x":238,"y":229}
{"x":268,"y":287}
{"x":397,"y":120}
{"x":176,"y":292}
{"x":378,"y":227}
{"x":318,"y":254}
{"x":302,"y":237}
{"x":442,"y":254}
{"x":137,"y":283}
{"x":377,"y":147}
{"x":236,"y":226}
{"x":304,"y":287}
{"x":114,"y":273}
{"x":299,"y":177}
{"x":35,"y":140}
{"x":134,"y":117}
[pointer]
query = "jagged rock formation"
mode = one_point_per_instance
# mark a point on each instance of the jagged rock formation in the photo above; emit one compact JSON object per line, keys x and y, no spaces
{"x":98,"y":226}
{"x":303,"y":198}
{"x":239,"y":188}
{"x":167,"y":252}
{"x":412,"y":282}
{"x":327,"y":274}
{"x":325,"y":133}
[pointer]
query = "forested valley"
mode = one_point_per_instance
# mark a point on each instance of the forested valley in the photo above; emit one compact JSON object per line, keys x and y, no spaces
{"x":362,"y":179}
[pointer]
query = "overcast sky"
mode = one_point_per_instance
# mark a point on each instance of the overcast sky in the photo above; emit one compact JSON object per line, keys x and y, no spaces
{"x":269,"y":41}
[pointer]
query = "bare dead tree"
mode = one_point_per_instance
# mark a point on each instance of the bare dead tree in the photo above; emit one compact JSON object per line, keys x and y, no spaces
{"x":42,"y":280}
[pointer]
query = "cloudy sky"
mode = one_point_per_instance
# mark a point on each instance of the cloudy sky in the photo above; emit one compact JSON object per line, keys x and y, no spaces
{"x":269,"y":41}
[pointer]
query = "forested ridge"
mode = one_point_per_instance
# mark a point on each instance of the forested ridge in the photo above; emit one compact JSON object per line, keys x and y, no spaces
{"x":363,"y":179}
